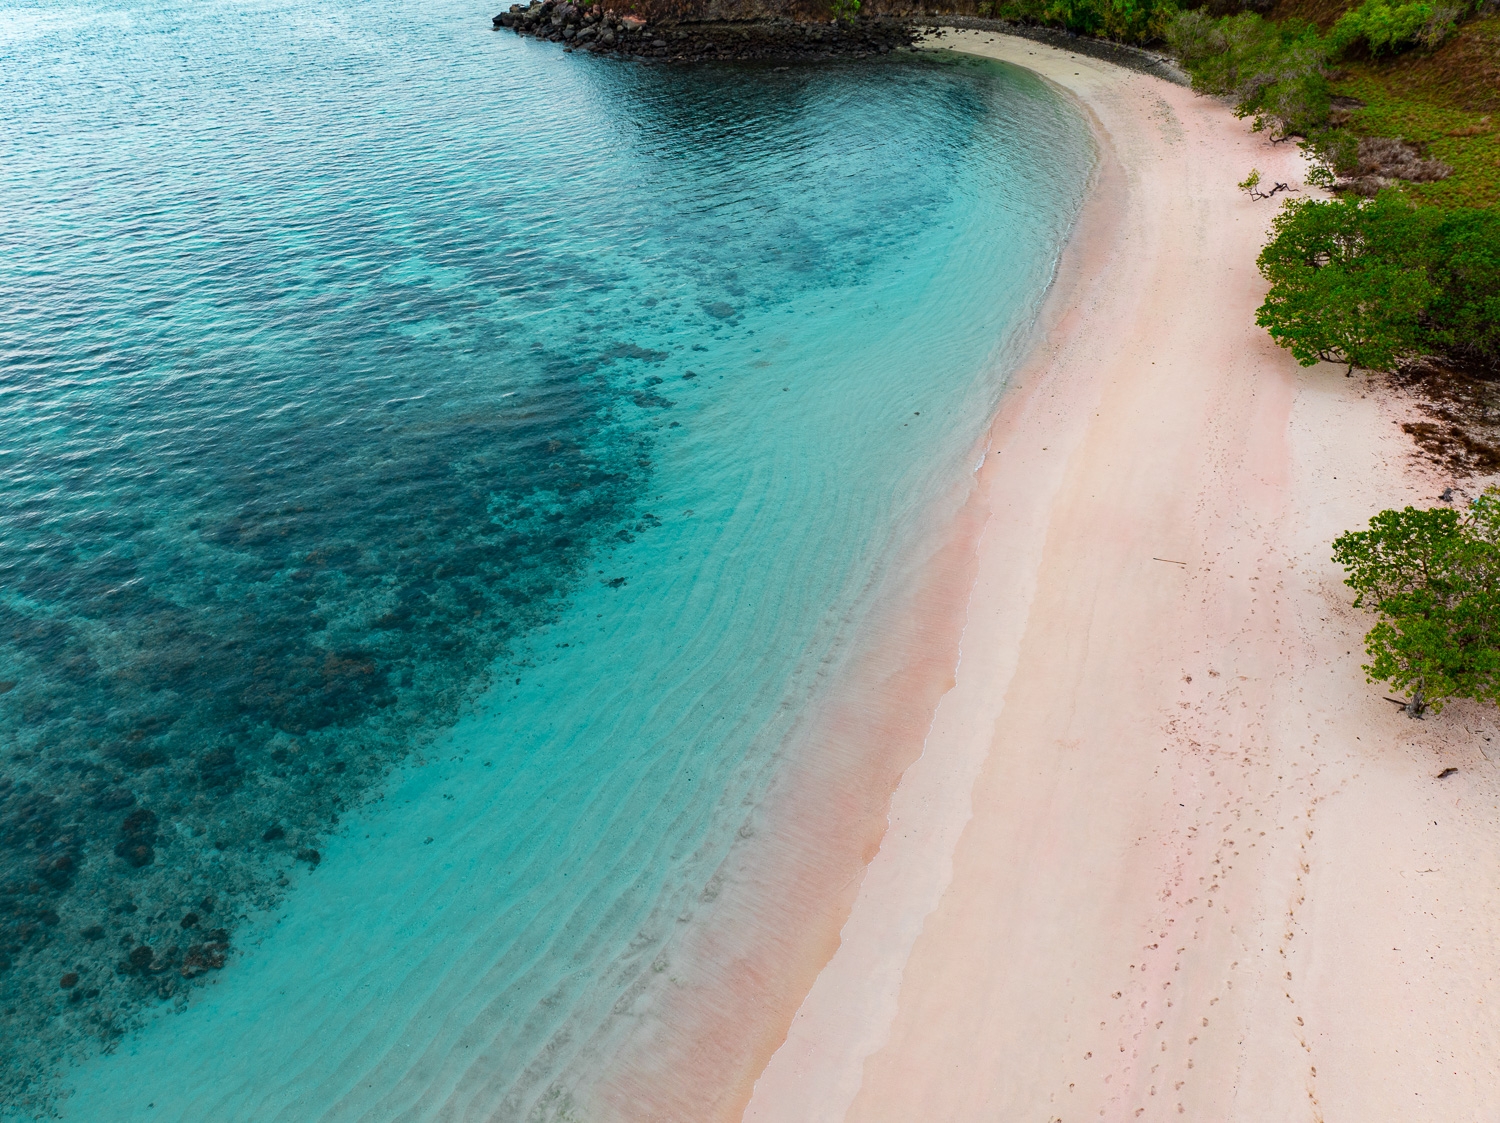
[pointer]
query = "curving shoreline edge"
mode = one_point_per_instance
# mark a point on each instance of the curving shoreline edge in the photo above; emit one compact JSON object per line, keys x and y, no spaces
{"x":1133,"y":874}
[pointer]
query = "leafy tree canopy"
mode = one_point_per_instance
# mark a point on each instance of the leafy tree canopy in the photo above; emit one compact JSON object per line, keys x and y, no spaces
{"x":1348,"y":281}
{"x":1433,"y":577}
{"x":1368,"y":282}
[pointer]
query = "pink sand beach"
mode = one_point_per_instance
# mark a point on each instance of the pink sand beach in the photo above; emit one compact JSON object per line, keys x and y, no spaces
{"x":1108,"y":823}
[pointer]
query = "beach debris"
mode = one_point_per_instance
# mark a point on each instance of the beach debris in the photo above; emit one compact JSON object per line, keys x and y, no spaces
{"x":1445,"y":773}
{"x":1250,"y":185}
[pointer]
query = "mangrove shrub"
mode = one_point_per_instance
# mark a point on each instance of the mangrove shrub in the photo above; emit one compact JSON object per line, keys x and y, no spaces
{"x":1433,"y":576}
{"x":1129,"y":21}
{"x":1369,"y":282}
{"x":1347,"y":283}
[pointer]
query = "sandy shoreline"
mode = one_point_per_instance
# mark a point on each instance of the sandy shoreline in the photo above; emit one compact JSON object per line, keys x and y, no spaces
{"x":1165,"y":854}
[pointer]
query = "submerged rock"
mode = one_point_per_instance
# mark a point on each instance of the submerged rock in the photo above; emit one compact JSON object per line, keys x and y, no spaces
{"x":138,"y":838}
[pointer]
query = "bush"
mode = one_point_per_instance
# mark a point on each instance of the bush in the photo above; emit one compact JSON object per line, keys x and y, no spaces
{"x":1464,"y":317}
{"x":1434,"y":578}
{"x":1348,"y":282}
{"x":1334,"y":153}
{"x":1130,"y":21}
{"x":1382,"y":27}
{"x":1275,"y":73}
{"x":1195,"y":37}
{"x":1368,"y":282}
{"x":1442,"y":24}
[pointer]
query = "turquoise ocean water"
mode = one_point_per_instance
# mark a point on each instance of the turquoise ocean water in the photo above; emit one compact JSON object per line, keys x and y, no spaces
{"x":435,"y":472}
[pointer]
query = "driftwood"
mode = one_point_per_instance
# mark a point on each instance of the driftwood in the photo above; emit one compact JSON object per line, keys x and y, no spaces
{"x":1256,"y":193}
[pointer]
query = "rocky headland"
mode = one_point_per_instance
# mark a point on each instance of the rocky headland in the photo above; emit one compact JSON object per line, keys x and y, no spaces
{"x":597,"y":29}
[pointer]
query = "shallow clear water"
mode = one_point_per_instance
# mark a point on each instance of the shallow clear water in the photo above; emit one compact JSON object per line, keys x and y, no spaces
{"x":435,"y":471}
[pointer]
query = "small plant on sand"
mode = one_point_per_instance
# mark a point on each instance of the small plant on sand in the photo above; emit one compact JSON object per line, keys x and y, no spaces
{"x":1433,"y":576}
{"x":1250,"y":185}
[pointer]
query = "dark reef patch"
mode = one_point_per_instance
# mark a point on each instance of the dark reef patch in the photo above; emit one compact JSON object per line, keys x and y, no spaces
{"x":309,"y":421}
{"x":213,"y":666}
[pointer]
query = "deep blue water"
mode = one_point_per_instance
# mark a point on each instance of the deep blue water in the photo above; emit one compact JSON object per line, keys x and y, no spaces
{"x":434,"y":471}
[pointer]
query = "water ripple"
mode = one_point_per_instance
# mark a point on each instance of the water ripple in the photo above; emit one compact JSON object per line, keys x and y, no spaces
{"x":361,"y":369}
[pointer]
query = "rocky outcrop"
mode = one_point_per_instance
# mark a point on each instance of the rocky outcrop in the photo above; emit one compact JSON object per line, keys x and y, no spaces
{"x":594,"y":28}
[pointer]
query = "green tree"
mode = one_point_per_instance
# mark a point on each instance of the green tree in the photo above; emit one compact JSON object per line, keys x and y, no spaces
{"x":1464,"y":316}
{"x":1391,"y":28}
{"x":1132,"y":21}
{"x":1349,"y":281}
{"x":1275,"y":72}
{"x":1433,"y":576}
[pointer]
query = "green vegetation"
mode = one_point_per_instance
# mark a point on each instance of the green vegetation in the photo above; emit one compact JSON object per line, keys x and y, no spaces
{"x":1433,"y":577}
{"x":1368,"y":282}
{"x":1422,"y":72}
{"x":1466,"y":139}
{"x":1283,"y":72}
{"x":1397,"y":103}
{"x":1392,"y":100}
{"x":845,"y":9}
{"x":1384,"y":28}
{"x":1126,"y":21}
{"x":1275,"y":72}
{"x":1341,"y":286}
{"x":1250,"y":185}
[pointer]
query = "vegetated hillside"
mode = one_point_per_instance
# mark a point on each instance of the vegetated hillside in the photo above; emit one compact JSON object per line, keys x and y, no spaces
{"x":1425,"y":72}
{"x":1446,"y":101}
